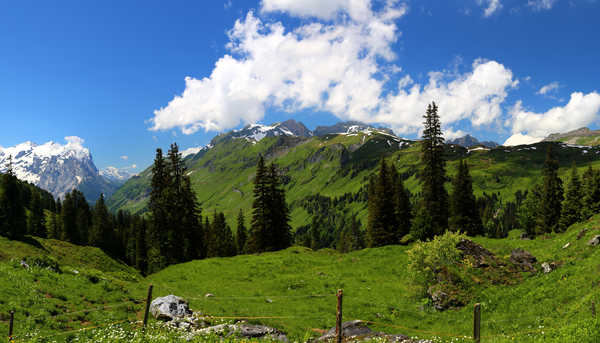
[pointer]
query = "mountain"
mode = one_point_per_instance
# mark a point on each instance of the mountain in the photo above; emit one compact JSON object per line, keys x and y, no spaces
{"x":469,"y":141}
{"x":256,"y":132}
{"x":116,"y":175}
{"x":583,"y":136}
{"x":339,"y":165}
{"x":57,"y":168}
{"x":349,"y":127}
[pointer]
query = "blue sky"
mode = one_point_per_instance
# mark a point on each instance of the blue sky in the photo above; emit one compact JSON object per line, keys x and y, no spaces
{"x":114,"y":72}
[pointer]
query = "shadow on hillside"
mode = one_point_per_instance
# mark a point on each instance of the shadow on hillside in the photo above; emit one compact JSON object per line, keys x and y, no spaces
{"x":32,"y":241}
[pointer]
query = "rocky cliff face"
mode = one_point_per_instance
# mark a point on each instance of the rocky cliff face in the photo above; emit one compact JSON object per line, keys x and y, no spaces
{"x":57,"y":168}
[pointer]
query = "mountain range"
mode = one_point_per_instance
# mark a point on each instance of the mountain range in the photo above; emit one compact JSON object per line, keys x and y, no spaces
{"x":58,"y":168}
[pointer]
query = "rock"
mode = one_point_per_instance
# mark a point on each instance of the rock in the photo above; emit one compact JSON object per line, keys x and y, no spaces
{"x":524,"y":236}
{"x":357,"y":330}
{"x":581,"y":234}
{"x":439,"y":298}
{"x":209,"y":295}
{"x":268,"y":300}
{"x":566,"y":245}
{"x":169,"y":308}
{"x":523,"y":259}
{"x":245,"y":330}
{"x":481,"y":256}
{"x":594,"y":241}
{"x":548,"y":267}
{"x":24,"y":264}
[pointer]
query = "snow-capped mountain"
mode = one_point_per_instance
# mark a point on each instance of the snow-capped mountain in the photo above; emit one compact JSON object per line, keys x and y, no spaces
{"x":256,"y":132}
{"x":118,"y":175}
{"x":350,"y":127}
{"x":469,"y":141}
{"x":195,"y":150}
{"x":57,"y":168}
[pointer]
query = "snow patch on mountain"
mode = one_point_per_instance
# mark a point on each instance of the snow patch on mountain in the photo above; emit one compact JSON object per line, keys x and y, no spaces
{"x":195,"y":150}
{"x":256,"y":132}
{"x":118,"y":174}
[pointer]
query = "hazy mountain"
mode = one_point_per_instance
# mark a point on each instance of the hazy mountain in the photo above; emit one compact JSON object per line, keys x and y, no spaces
{"x":582,"y":136}
{"x":469,"y":141}
{"x":345,"y":127}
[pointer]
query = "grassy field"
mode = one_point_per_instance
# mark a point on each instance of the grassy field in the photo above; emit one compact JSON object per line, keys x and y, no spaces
{"x":296,"y":288}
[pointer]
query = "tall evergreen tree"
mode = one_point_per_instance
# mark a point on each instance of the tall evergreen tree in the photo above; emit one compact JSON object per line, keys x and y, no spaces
{"x":257,"y":238}
{"x":141,"y":254}
{"x":101,"y":231}
{"x":13,"y":221}
{"x":242,"y":233}
{"x":279,"y":233}
{"x":591,"y":192}
{"x":463,"y":205}
{"x":432,"y":214}
{"x":351,"y":236}
{"x":159,"y":223}
{"x":551,"y":195}
{"x":529,"y":210}
{"x":35,"y":220}
{"x":572,"y":206}
{"x":222,"y":243}
{"x":382,"y":224}
{"x":403,"y":210}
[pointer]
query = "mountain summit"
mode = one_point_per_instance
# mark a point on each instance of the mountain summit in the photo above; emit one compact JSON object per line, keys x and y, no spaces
{"x":57,"y":168}
{"x":469,"y":141}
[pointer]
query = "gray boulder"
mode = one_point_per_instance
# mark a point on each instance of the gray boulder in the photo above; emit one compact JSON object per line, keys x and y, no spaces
{"x":595,"y":241}
{"x":548,"y":267}
{"x":523,"y":259}
{"x":245,"y":331}
{"x":169,"y":308}
{"x":358,"y":330}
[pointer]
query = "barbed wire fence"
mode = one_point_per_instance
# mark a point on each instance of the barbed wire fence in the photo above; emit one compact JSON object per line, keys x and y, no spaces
{"x":497,"y":326}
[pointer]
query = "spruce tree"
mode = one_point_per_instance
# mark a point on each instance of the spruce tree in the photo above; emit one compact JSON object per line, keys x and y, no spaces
{"x":13,"y":221}
{"x":279,"y":232}
{"x":100,"y":233}
{"x":432,"y":214}
{"x":403,"y":210}
{"x":159,"y":224}
{"x":572,"y":206}
{"x":141,"y":257}
{"x":551,"y":195}
{"x":35,"y":220}
{"x":351,"y":236}
{"x":591,"y":193}
{"x":242,"y":234}
{"x":529,"y":210}
{"x":382,"y":224}
{"x":260,"y":210}
{"x":463,"y":205}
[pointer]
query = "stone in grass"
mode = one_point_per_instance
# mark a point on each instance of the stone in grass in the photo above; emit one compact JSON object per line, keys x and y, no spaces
{"x":595,"y":241}
{"x":567,"y":245}
{"x":358,"y":330}
{"x":245,"y":331}
{"x":523,"y":259}
{"x":548,"y":267}
{"x":169,"y":308}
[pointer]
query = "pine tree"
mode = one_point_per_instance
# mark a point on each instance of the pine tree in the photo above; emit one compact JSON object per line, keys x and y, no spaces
{"x":242,"y":234}
{"x":529,"y":210}
{"x":551,"y":195}
{"x":432,"y":214}
{"x":13,"y":221}
{"x":403,"y":209}
{"x":35,"y":220}
{"x":141,"y":255}
{"x":382,"y":224}
{"x":222,"y":243}
{"x":591,"y":193}
{"x":100,"y":233}
{"x":351,"y":237}
{"x":572,"y":206}
{"x":260,"y":210}
{"x":279,"y":233}
{"x":463,"y":205}
{"x":158,"y":228}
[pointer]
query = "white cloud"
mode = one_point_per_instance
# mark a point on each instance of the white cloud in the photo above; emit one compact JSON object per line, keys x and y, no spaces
{"x":341,"y":68}
{"x":475,"y":96}
{"x":328,"y":10}
{"x":332,"y":67}
{"x":125,"y":157}
{"x":549,"y":88}
{"x":581,"y":110}
{"x":491,"y":7}
{"x":539,"y":5}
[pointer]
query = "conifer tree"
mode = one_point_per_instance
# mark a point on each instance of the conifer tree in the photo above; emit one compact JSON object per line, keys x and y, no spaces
{"x":403,"y":209}
{"x":257,"y":238}
{"x":572,"y":206}
{"x":463,"y":205}
{"x":100,"y":233}
{"x":591,"y":193}
{"x":13,"y":222}
{"x":432,"y":214}
{"x":551,"y":195}
{"x":382,"y":224}
{"x":35,"y":220}
{"x":351,"y":236}
{"x":529,"y":210}
{"x":159,"y":225}
{"x":279,"y":233}
{"x":222,"y":243}
{"x":242,"y":234}
{"x":141,"y":257}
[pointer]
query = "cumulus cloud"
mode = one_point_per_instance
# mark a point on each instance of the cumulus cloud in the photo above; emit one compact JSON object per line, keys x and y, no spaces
{"x":549,"y":88}
{"x":539,"y":5}
{"x":342,"y":68}
{"x":125,"y":157}
{"x":491,"y":7}
{"x":581,"y":110}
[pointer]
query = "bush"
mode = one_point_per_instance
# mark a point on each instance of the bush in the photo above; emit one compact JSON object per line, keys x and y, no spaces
{"x":426,"y":259}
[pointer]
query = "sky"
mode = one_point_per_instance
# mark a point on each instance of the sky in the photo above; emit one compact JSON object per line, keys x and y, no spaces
{"x":130,"y":76}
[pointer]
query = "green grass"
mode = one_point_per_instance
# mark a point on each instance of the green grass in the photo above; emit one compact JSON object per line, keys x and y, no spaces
{"x":296,"y":287}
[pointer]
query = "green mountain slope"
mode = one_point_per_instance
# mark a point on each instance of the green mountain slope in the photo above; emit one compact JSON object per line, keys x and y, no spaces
{"x":336,"y":164}
{"x":582,"y":136}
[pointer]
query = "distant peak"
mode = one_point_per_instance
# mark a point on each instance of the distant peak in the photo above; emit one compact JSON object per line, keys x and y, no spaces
{"x":469,"y":141}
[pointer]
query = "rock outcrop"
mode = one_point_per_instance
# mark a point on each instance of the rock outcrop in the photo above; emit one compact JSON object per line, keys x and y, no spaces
{"x":169,"y":308}
{"x":523,"y":259}
{"x":358,"y":330}
{"x":595,"y":241}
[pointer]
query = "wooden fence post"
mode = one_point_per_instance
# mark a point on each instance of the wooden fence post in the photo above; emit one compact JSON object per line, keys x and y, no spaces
{"x":338,"y":324}
{"x":10,"y":325}
{"x":477,"y":323}
{"x":148,"y":300}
